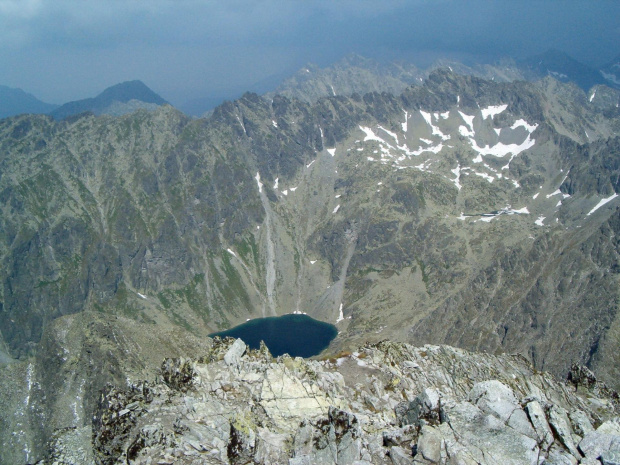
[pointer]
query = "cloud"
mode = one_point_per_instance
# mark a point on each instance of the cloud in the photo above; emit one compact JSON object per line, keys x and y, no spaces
{"x":62,"y":46}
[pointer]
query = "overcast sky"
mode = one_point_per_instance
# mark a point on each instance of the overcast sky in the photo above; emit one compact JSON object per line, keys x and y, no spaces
{"x":63,"y":50}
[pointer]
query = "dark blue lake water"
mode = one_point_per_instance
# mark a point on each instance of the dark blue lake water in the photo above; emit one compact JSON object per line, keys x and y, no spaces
{"x":296,"y":335}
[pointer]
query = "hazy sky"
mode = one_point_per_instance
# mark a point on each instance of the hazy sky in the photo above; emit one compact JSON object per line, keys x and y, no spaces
{"x":63,"y":50}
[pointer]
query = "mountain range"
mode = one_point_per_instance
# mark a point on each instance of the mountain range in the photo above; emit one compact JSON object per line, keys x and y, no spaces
{"x":352,"y":74}
{"x":473,"y":211}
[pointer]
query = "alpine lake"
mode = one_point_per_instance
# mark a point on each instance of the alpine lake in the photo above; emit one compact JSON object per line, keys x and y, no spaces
{"x":293,"y":334}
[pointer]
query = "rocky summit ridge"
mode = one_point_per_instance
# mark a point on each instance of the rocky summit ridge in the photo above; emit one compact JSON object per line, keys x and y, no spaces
{"x":386,"y":403}
{"x":491,"y":207}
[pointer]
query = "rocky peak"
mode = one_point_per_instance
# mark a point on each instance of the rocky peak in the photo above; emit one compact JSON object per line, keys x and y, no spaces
{"x":385,"y":403}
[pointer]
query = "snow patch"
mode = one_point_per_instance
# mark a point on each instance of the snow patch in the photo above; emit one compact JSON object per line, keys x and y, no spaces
{"x":469,"y":120}
{"x":463,"y":131}
{"x":260,"y":185}
{"x":492,"y":111}
{"x":500,"y":150}
{"x":336,"y":209}
{"x":488,"y":217}
{"x":433,"y":149}
{"x":427,"y":117}
{"x":539,"y":221}
{"x":485,"y":176}
{"x":332,"y":152}
{"x":524,"y":124}
{"x":340,"y":315}
{"x":275,"y":184}
{"x":141,"y":295}
{"x":457,"y":173}
{"x":601,"y":203}
{"x":274,"y":124}
{"x":424,"y":166}
{"x":370,"y":135}
{"x":231,"y":252}
{"x":435,"y":130}
{"x":394,"y":136}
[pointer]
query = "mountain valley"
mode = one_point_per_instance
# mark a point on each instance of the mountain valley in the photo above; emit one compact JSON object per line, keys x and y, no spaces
{"x":458,"y":210}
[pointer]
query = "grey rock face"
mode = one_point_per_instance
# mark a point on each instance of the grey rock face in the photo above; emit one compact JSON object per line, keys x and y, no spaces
{"x":558,"y":419}
{"x":538,"y":419}
{"x":594,"y":444}
{"x":297,"y":411}
{"x":611,"y":457}
{"x":233,"y":356}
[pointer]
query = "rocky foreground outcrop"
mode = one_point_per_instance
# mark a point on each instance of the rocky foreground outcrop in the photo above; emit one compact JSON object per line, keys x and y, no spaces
{"x":386,"y":403}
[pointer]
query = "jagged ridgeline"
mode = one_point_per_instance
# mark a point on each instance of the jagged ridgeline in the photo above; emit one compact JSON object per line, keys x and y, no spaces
{"x":463,"y":211}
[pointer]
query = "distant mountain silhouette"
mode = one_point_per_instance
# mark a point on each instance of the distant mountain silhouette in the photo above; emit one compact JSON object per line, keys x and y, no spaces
{"x":119,"y":93}
{"x":562,"y":67}
{"x":16,"y":101}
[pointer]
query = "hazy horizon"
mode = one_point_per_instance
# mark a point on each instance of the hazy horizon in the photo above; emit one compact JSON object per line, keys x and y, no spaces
{"x":67,"y":50}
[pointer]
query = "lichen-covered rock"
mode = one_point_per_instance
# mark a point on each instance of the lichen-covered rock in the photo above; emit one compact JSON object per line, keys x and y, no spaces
{"x":424,"y":409}
{"x":178,"y":373}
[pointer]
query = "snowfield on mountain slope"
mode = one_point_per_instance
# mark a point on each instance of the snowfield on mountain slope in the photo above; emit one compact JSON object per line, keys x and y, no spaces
{"x":428,"y":133}
{"x":430,"y":141}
